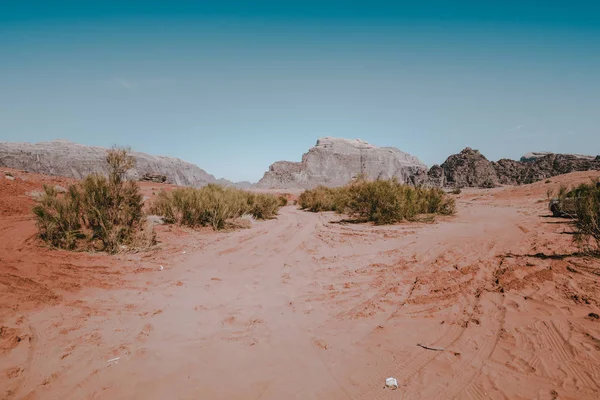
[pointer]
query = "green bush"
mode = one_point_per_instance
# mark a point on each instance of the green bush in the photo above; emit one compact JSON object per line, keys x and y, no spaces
{"x":99,"y":212}
{"x":212,"y":205}
{"x":264,"y":206}
{"x":587,"y":221}
{"x":323,"y":198}
{"x":380,"y":201}
{"x":59,"y":217}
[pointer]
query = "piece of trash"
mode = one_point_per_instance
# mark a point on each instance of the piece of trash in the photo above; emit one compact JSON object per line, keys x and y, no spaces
{"x":431,"y":348}
{"x":391,"y":383}
{"x":114,"y":359}
{"x":161,"y":268}
{"x":184,"y":252}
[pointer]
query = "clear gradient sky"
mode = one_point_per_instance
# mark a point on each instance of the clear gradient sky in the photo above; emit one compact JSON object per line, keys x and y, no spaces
{"x":233,"y":86}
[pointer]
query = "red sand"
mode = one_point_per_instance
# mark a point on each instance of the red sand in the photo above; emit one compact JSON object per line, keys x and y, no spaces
{"x":303,"y":307}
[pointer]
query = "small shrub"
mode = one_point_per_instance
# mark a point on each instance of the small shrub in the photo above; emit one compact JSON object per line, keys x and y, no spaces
{"x":587,"y":221}
{"x":212,"y":205}
{"x":59,"y":217}
{"x":380,"y":201}
{"x":283,"y":200}
{"x":264,"y":206}
{"x":99,"y":212}
{"x":317,"y":199}
{"x":548,"y":181}
{"x":456,"y":191}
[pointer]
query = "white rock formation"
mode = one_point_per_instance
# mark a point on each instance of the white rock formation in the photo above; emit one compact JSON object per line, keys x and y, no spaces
{"x":334,"y":162}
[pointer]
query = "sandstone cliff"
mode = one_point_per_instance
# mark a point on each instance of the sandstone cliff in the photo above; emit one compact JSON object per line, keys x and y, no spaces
{"x":74,"y":160}
{"x":334,"y":162}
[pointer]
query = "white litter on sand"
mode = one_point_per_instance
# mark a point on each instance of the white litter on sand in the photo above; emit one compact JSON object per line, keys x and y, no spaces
{"x":391,"y":383}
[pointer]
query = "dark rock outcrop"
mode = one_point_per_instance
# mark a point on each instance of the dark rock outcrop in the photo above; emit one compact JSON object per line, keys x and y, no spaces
{"x":335,"y":162}
{"x":156,"y":178}
{"x":436,"y":176}
{"x":470,"y":168}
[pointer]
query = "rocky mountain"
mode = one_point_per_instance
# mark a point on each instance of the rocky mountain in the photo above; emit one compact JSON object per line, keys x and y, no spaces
{"x":74,"y":160}
{"x":470,"y":168}
{"x":334,"y":162}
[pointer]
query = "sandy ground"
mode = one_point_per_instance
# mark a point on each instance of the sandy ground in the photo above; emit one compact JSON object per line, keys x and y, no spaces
{"x":304,"y":307}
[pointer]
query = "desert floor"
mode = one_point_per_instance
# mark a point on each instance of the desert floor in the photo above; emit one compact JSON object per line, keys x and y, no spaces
{"x":306,"y":307}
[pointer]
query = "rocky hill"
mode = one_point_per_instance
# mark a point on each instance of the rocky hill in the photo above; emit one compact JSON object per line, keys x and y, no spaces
{"x":64,"y":158}
{"x":470,"y":168}
{"x":334,"y":162}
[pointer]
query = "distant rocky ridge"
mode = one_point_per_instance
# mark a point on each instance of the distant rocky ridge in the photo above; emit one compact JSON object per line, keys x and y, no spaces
{"x":64,"y":158}
{"x":334,"y":162}
{"x":470,"y":168}
{"x":331,"y":162}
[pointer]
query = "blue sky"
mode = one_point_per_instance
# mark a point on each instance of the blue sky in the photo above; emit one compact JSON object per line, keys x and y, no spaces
{"x":235,"y":86}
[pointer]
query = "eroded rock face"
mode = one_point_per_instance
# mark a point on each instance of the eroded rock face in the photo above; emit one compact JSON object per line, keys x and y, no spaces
{"x":74,"y":160}
{"x":544,"y":166}
{"x":335,"y":162}
{"x":470,"y":168}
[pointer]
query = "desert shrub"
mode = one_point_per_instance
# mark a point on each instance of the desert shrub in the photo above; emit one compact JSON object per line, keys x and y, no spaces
{"x":59,"y":217}
{"x":264,"y":206}
{"x":212,"y":205}
{"x":283,"y":200}
{"x":102,"y":212}
{"x":380,"y":201}
{"x":456,"y":191}
{"x":317,"y":199}
{"x":323,"y":198}
{"x":587,"y":223}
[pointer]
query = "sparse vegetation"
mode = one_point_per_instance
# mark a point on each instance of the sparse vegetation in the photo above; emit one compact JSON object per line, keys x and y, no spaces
{"x":456,"y":191}
{"x":587,"y":221}
{"x":213,"y":205}
{"x":323,"y":198}
{"x":283,"y":200}
{"x":380,"y":201}
{"x":100,"y":212}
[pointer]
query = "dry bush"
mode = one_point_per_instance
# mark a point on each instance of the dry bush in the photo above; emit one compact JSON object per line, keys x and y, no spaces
{"x":59,"y":217}
{"x":100,"y":212}
{"x":264,"y":206}
{"x":587,"y":221}
{"x":212,"y":205}
{"x":283,"y":200}
{"x":456,"y":191}
{"x":323,"y":198}
{"x":380,"y":201}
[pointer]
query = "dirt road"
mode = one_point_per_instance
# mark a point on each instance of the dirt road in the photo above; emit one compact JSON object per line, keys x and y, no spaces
{"x":303,"y":307}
